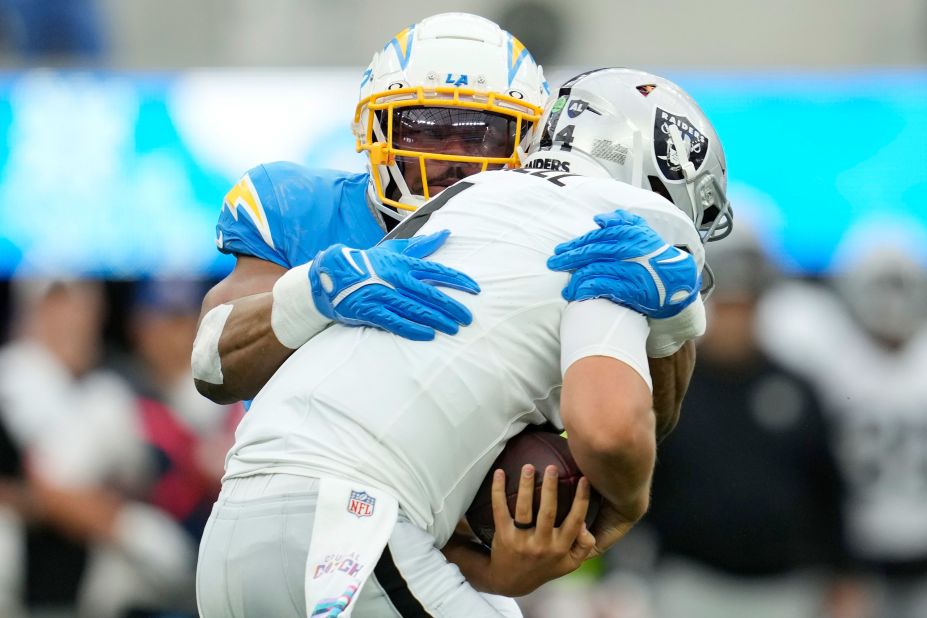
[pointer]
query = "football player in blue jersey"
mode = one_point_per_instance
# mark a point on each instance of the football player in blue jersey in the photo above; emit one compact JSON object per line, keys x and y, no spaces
{"x":447,"y":97}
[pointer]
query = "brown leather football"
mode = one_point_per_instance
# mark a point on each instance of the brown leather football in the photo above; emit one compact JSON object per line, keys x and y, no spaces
{"x":541,"y":449}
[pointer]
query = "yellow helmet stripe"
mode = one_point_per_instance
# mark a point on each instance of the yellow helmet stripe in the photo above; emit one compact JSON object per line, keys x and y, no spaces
{"x":517,"y":53}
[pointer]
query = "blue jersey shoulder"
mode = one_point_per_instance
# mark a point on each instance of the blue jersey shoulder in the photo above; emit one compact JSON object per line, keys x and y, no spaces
{"x":286,"y":213}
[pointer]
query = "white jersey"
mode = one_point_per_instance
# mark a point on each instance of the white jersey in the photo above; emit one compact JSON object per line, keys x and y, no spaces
{"x":425,"y":420}
{"x":877,"y":398}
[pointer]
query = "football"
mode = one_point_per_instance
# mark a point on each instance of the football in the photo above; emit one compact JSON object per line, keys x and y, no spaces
{"x":541,"y":449}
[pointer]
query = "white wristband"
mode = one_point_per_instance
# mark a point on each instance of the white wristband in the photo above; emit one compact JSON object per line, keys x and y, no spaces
{"x":293,"y":317}
{"x":669,"y":334}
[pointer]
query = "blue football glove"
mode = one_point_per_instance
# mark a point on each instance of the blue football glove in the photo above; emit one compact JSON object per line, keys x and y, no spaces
{"x":392,"y":287}
{"x":628,"y":263}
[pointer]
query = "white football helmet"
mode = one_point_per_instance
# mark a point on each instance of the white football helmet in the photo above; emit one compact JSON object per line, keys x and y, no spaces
{"x":645,"y":131}
{"x":448,"y":97}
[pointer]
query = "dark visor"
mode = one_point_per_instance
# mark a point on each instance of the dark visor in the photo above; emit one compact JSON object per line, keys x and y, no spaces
{"x":468,"y":132}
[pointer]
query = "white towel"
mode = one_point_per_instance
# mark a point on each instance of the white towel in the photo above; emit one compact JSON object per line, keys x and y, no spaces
{"x":352,"y":526}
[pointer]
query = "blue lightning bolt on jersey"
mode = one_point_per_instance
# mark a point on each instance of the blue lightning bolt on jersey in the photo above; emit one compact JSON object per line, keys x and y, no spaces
{"x":286,"y":213}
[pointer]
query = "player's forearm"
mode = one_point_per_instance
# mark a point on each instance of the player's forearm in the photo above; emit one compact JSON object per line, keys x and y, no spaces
{"x":472,"y":560}
{"x":623,"y":479}
{"x":607,"y":412}
{"x":249,"y":351}
{"x":671,"y":376}
{"x":622,"y":476}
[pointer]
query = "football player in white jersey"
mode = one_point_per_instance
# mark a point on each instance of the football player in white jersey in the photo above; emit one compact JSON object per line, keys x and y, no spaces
{"x":875,"y":391}
{"x":363,"y":451}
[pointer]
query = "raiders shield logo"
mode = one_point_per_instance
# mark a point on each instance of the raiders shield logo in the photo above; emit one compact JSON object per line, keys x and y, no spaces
{"x":668,"y":158}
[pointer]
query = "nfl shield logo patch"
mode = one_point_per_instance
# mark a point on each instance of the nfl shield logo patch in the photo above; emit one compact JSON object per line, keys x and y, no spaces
{"x":361,"y":504}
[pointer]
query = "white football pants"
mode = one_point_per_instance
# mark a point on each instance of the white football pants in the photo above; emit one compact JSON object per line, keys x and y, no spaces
{"x":252,"y":561}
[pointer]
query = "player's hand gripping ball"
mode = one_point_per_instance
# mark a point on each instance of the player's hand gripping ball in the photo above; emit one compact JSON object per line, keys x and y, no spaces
{"x":540,"y":449}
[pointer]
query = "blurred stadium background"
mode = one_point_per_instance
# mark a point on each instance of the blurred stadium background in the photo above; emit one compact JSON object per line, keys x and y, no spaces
{"x":796,"y":484}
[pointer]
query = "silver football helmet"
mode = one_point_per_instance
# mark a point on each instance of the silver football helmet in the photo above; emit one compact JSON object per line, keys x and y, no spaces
{"x":886,"y":291}
{"x":646,"y":131}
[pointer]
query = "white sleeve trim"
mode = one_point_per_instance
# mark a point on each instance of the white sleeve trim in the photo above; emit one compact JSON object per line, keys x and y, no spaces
{"x":600,"y":327}
{"x":669,"y":334}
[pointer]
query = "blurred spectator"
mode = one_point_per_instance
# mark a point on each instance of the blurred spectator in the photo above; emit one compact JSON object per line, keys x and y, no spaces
{"x":865,"y":347}
{"x":53,"y":30}
{"x":45,"y":370}
{"x":135,"y":475}
{"x":12,"y":546}
{"x":162,"y":327}
{"x":745,"y":495}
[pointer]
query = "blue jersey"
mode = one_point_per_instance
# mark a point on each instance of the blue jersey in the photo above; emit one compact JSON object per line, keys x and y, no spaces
{"x":286,"y":213}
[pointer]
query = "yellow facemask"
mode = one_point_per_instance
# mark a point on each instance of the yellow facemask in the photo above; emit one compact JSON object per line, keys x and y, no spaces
{"x":375,"y":121}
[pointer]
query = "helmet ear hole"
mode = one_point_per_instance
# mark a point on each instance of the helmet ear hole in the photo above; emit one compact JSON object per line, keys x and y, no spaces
{"x":657,"y":186}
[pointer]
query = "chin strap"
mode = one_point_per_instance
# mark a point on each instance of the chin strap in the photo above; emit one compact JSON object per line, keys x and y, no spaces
{"x":405,"y":195}
{"x":394,"y":174}
{"x":382,"y":211}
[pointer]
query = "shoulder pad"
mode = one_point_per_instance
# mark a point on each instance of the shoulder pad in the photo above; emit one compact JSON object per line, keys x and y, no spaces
{"x":285,"y":212}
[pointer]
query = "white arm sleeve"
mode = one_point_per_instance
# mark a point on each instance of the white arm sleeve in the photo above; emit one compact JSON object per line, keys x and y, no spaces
{"x":669,"y":334}
{"x":599,"y":327}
